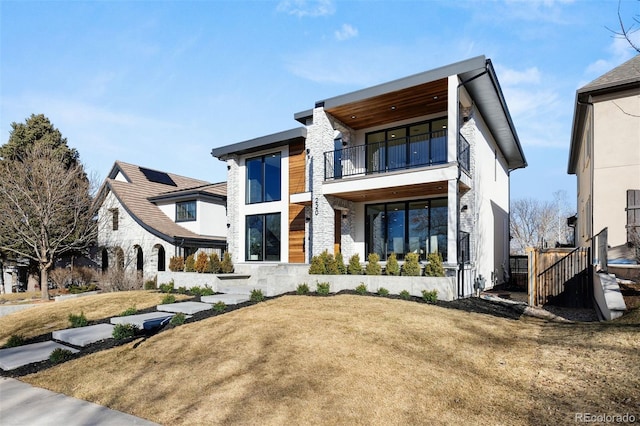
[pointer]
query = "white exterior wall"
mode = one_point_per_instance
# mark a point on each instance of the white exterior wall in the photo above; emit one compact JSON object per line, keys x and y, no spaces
{"x":491,"y":199}
{"x":128,"y":235}
{"x":583,"y":181}
{"x":616,"y":155}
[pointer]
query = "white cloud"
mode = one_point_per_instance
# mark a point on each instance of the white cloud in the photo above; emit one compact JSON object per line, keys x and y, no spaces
{"x":618,"y":52}
{"x":304,"y":8}
{"x":346,"y":32}
{"x":509,"y":77}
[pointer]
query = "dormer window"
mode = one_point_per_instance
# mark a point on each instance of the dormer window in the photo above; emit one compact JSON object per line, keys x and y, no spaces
{"x":186,"y":211}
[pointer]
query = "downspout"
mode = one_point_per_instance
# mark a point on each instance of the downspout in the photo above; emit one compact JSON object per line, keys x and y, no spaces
{"x":589,"y":105}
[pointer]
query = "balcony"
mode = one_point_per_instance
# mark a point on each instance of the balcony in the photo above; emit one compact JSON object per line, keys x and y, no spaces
{"x":390,"y":155}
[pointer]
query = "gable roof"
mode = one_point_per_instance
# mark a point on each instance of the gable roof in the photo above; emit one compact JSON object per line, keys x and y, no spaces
{"x":142,"y":185}
{"x":619,"y":79}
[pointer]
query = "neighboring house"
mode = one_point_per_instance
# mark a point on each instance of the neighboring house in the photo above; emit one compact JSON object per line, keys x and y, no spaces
{"x":420,"y":164}
{"x":147,"y":216}
{"x":605,"y":154}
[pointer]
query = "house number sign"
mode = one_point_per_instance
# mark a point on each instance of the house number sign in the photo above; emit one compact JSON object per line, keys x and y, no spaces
{"x":317,"y":207}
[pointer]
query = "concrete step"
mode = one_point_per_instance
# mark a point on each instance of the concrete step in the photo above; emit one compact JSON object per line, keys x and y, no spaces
{"x":144,"y":321}
{"x":228,"y":299}
{"x":240,"y":289}
{"x":12,"y":358}
{"x":184,"y":307}
{"x":83,"y":336}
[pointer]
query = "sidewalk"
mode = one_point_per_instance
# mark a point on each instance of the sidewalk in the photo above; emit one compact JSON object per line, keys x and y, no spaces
{"x":23,"y":404}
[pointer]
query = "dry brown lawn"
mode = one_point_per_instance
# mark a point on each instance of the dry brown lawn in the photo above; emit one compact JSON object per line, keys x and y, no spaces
{"x":362,"y":360}
{"x":51,"y":316}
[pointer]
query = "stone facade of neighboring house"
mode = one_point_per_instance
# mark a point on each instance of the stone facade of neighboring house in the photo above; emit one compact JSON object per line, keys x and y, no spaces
{"x":416,"y":165}
{"x":147,"y":216}
{"x":605,"y":155}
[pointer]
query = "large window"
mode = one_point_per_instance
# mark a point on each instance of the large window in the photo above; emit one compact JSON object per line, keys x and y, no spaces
{"x":263,"y":237}
{"x":414,"y":145}
{"x":263,"y":179}
{"x":186,"y":211}
{"x":407,"y":227}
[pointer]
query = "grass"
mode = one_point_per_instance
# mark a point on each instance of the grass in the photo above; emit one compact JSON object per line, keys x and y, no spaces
{"x":51,"y":316}
{"x":364,"y":360}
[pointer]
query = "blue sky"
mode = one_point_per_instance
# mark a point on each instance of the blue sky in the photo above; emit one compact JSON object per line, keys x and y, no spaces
{"x":161,"y":83}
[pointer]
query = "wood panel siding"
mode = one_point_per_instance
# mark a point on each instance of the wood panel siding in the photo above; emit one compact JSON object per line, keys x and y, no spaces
{"x":297,"y":167}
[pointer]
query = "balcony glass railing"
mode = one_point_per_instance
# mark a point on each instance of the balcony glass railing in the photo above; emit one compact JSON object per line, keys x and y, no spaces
{"x":381,"y":157}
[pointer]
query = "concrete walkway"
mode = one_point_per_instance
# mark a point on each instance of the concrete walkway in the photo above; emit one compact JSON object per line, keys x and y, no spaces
{"x":23,"y":404}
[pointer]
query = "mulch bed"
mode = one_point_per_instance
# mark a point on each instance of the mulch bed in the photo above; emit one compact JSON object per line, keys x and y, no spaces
{"x":469,"y":305}
{"x":631,"y":294}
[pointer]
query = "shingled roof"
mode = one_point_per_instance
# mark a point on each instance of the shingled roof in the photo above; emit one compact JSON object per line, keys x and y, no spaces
{"x":627,"y":73}
{"x":142,"y":185}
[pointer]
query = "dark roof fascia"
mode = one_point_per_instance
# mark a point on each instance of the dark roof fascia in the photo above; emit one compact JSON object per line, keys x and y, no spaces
{"x":484,"y":88}
{"x":188,"y":195}
{"x":265,"y":142}
{"x":582,"y":102}
{"x":199,"y":242}
{"x":114,"y":172}
{"x":395,"y":85}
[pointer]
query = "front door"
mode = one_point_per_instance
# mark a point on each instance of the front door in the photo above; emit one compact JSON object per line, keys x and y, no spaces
{"x":337,"y":232}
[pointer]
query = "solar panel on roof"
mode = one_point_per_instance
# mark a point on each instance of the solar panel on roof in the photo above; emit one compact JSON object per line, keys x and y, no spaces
{"x":157,"y":177}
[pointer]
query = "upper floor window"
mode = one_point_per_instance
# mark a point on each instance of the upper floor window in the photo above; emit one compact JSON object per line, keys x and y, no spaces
{"x":186,"y":211}
{"x":114,"y":218}
{"x":263,"y":179}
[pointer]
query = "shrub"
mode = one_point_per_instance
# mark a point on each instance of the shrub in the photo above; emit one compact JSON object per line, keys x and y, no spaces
{"x":430,"y":296}
{"x":393,"y":268}
{"x":361,"y":289}
{"x":77,"y":320}
{"x":219,"y":307}
{"x":323,"y":288}
{"x":302,"y":289}
{"x":167,"y":299}
{"x":330,"y":264}
{"x":167,"y":288}
{"x":373,"y":267}
{"x":404,"y":294}
{"x":182,"y":290}
{"x":342,"y":269}
{"x":317,"y":266}
{"x":411,"y":267}
{"x":213,"y":267}
{"x":124,"y":331}
{"x":383,"y":291}
{"x":178,"y":319}
{"x":190,"y":264}
{"x":14,"y":340}
{"x":129,"y":311}
{"x":150,"y":285}
{"x":202,"y":262}
{"x":256,"y":295}
{"x":76,"y":289}
{"x":176,"y":264}
{"x":207,"y":291}
{"x":195,"y":291}
{"x":226,"y":267}
{"x":354,"y":268}
{"x":60,"y":355}
{"x":434,"y":267}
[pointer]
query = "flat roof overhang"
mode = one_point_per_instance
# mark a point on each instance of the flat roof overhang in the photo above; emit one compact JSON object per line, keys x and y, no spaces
{"x":427,"y":93}
{"x":265,"y":142}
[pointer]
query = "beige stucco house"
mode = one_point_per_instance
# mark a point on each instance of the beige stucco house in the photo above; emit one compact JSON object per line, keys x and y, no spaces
{"x":147,"y":216}
{"x":605,"y":153}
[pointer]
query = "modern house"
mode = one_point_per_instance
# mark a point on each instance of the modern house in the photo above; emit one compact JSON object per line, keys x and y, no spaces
{"x":605,"y":155}
{"x":147,"y":216}
{"x":416,"y":165}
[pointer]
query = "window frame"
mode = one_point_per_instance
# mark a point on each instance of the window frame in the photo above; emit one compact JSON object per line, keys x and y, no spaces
{"x":269,"y":190}
{"x":265,"y":248}
{"x":188,"y":218}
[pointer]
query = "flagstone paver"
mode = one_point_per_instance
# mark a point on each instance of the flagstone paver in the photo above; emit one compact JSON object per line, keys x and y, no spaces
{"x":229,"y":299}
{"x":144,"y":321}
{"x":184,"y":307}
{"x":12,"y":358}
{"x":83,"y":336}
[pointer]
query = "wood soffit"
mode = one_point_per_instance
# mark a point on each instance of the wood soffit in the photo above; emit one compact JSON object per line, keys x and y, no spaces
{"x":424,"y":99}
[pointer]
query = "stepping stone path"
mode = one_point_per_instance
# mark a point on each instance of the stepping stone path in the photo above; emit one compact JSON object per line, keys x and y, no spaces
{"x":12,"y":358}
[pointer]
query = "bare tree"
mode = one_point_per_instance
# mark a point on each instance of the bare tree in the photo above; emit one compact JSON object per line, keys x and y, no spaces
{"x":533,"y":224}
{"x":626,"y":31}
{"x":45,"y":207}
